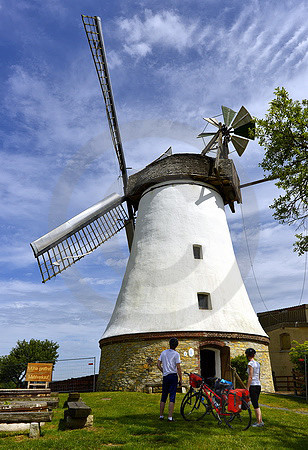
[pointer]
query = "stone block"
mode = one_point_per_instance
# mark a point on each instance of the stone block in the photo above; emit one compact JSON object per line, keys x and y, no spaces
{"x":80,"y":422}
{"x":35,"y":430}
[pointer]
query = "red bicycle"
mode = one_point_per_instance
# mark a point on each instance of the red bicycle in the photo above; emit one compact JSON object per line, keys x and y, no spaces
{"x":230,"y":405}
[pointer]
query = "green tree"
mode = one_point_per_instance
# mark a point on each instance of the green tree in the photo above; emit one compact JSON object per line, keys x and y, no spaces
{"x":284,"y":135}
{"x":14,"y":365}
{"x":297,"y":355}
{"x":239,"y":363}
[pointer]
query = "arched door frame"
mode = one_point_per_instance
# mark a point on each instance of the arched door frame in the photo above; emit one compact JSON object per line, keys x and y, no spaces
{"x":222,"y":358}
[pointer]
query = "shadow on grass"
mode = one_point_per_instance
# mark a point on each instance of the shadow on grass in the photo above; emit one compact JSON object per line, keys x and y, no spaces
{"x":146,"y":429}
{"x":293,"y":399}
{"x":62,"y":425}
{"x":284,"y":433}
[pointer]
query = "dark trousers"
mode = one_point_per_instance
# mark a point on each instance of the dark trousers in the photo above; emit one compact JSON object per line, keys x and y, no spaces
{"x":254,"y":392}
{"x":170,"y":383}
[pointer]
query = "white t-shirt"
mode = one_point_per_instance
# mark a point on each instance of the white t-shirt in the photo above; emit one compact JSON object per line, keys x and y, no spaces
{"x":169,"y":358}
{"x":256,"y":372}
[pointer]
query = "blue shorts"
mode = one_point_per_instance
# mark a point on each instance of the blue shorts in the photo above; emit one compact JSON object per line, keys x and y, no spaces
{"x":170,"y":383}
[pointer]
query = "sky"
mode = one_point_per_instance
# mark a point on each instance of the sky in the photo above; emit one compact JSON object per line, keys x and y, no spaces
{"x":171,"y":64}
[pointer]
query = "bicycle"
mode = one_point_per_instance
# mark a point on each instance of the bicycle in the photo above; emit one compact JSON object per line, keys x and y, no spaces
{"x":201,"y":400}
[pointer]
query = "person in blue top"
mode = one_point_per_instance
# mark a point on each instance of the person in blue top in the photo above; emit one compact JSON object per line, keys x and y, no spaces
{"x":254,"y":385}
{"x":169,"y":363}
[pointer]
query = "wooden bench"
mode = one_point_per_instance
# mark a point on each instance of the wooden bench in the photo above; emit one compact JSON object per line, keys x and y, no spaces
{"x":24,"y":393}
{"x":33,"y":395}
{"x":24,"y":415}
{"x":78,"y":415}
{"x":78,"y":410}
{"x":72,"y":397}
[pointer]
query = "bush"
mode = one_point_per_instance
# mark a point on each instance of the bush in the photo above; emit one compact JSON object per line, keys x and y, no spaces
{"x":297,"y":355}
{"x":239,"y":363}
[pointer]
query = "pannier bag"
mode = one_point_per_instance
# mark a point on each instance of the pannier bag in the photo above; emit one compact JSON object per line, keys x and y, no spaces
{"x":245,"y":396}
{"x":234,"y":400}
{"x":228,"y":383}
{"x":221,"y":386}
{"x":225,"y":384}
{"x":195,"y":380}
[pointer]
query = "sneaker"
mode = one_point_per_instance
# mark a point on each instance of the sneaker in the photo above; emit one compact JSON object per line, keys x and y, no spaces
{"x":171,"y":420}
{"x":257,"y":424}
{"x":161,"y":417}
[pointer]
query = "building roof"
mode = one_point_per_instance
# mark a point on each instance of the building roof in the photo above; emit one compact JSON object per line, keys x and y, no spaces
{"x":294,"y":316}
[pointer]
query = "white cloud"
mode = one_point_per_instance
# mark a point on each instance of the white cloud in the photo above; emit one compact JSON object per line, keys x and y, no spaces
{"x":52,"y":117}
{"x":113,"y":262}
{"x":24,"y":288}
{"x":139,"y":49}
{"x":21,"y":191}
{"x":97,"y":281}
{"x":114,"y":59}
{"x":16,"y":255}
{"x":262,"y":49}
{"x":166,"y":28}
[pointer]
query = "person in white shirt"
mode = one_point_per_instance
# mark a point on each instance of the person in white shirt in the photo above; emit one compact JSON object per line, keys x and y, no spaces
{"x":169,"y":363}
{"x":254,"y":385}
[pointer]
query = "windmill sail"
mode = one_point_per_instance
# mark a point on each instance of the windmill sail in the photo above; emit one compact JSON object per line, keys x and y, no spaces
{"x":243,"y":124}
{"x":209,"y":146}
{"x":228,"y":115}
{"x":239,"y":144}
{"x":212,"y":121}
{"x":71,"y":241}
{"x":93,"y":29}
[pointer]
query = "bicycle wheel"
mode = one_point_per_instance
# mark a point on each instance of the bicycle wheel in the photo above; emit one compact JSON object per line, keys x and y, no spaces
{"x":240,"y":421}
{"x":188,"y":394}
{"x":195,"y":406}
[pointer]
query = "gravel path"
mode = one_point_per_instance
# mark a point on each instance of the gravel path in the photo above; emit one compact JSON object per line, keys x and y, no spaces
{"x":284,"y":409}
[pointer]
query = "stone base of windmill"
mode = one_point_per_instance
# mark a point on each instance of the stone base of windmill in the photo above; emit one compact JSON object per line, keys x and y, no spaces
{"x":128,"y":363}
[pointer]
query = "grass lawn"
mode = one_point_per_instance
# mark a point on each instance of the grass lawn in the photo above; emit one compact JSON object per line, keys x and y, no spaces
{"x":129,"y":420}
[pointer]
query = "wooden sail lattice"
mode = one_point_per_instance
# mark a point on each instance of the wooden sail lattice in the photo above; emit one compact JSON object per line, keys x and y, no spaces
{"x":92,"y":26}
{"x":67,"y":244}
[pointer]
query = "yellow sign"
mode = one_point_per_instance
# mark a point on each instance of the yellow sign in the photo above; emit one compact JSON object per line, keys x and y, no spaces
{"x":39,"y":372}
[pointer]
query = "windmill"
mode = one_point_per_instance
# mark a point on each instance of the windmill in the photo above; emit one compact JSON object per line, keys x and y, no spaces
{"x":182,"y":276}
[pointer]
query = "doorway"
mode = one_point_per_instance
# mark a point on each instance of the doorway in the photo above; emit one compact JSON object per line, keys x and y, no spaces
{"x":210,"y":362}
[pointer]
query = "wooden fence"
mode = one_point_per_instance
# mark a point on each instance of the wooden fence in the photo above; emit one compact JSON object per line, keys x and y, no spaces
{"x":294,"y":382}
{"x":81,"y":384}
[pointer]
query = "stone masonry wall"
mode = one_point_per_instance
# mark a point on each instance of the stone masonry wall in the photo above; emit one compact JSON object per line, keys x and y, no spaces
{"x":131,"y":365}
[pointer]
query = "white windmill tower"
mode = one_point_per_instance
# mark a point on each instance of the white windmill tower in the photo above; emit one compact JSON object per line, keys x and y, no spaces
{"x":182,"y":278}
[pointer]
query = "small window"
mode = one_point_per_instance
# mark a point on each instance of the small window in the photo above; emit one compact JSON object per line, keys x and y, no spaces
{"x":204,"y":300}
{"x":197,"y":249}
{"x":285,"y":341}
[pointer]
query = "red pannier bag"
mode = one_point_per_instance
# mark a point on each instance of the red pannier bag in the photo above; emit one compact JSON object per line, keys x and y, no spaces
{"x":195,"y":380}
{"x":245,"y":396}
{"x":234,"y":400}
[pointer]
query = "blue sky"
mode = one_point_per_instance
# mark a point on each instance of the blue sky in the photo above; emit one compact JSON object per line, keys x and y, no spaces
{"x":171,"y":64}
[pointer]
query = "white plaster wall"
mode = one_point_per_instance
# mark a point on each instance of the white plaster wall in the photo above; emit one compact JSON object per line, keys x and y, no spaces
{"x":162,"y":279}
